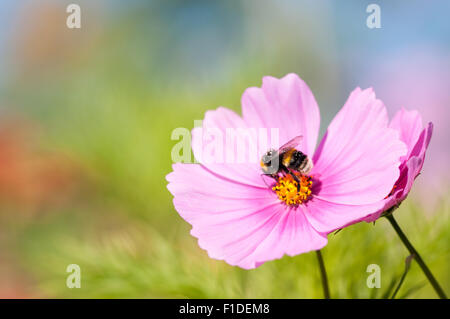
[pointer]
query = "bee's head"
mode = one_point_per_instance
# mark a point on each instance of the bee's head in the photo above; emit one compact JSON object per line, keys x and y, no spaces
{"x":269,"y":162}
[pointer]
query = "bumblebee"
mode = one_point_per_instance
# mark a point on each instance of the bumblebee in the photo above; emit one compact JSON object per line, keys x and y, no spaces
{"x":286,"y":160}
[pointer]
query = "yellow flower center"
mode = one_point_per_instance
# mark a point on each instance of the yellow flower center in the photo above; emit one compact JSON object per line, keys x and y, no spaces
{"x":288,"y":191}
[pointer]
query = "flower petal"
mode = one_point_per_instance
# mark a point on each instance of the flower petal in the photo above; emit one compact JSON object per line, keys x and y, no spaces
{"x":235,"y":158}
{"x":198,"y":192}
{"x":421,"y":146}
{"x":245,"y":226}
{"x":357,"y":161}
{"x":409,"y":124}
{"x":287,"y":104}
{"x":409,"y":170}
{"x":293,"y":235}
{"x":412,"y":167}
{"x":327,"y":216}
{"x":259,"y":236}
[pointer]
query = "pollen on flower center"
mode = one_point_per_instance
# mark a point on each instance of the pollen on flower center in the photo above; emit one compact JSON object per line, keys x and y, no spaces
{"x":288,"y":191}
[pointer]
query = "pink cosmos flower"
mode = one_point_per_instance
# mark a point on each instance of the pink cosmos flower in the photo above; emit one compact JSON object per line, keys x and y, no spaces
{"x":416,"y":138}
{"x":238,"y":218}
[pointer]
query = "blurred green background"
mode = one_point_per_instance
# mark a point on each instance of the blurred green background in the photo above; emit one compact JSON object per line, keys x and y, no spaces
{"x":86,"y":117}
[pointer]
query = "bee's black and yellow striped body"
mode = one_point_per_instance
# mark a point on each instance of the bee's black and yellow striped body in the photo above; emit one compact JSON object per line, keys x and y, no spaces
{"x":294,"y":160}
{"x":274,"y":162}
{"x":287,"y":161}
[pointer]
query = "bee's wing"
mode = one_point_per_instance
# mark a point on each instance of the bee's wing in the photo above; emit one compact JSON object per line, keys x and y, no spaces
{"x":294,"y":143}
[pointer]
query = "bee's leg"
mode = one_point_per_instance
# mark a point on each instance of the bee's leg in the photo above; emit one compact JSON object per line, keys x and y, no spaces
{"x":298,"y":182}
{"x":287,"y":171}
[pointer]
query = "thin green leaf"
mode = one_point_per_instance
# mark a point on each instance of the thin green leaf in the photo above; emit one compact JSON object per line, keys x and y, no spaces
{"x":407,"y":266}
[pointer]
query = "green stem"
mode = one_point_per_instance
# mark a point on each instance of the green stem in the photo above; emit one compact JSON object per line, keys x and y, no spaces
{"x":323,"y":275}
{"x":417,"y":257}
